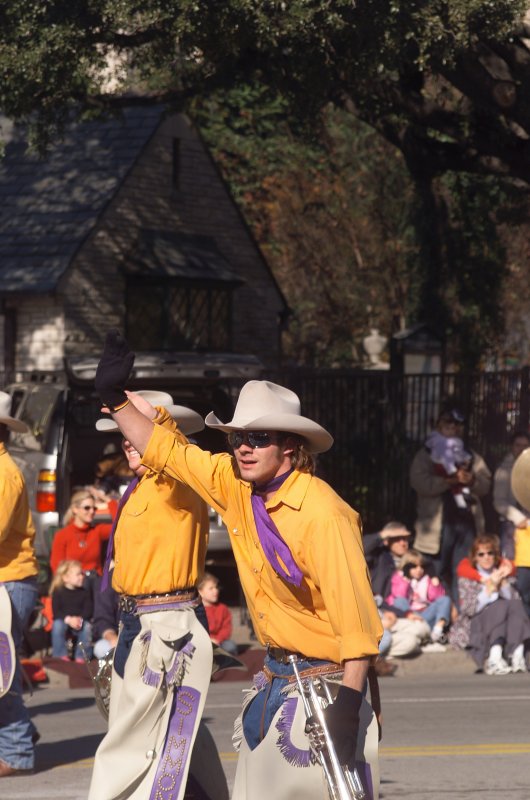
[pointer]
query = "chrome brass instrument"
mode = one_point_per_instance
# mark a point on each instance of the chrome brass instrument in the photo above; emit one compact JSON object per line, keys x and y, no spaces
{"x":101,"y":679}
{"x":343,"y":783}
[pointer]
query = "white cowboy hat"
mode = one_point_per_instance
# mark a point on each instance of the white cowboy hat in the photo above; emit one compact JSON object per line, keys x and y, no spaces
{"x":189,"y":421}
{"x":521,"y":479}
{"x":5,"y":415}
{"x":265,"y":406}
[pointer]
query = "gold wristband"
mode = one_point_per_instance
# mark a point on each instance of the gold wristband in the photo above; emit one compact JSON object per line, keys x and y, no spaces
{"x":119,"y":407}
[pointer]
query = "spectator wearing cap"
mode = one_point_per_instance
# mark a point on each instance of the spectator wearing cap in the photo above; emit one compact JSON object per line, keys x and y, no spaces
{"x":405,"y":631}
{"x":445,"y":527}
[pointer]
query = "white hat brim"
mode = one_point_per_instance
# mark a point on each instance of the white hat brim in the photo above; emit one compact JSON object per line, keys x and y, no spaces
{"x":317,"y":437}
{"x":189,"y":421}
{"x":521,"y":479}
{"x":15,"y":424}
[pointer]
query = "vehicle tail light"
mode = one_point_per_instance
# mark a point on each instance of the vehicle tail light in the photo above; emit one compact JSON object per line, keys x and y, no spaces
{"x":46,"y":491}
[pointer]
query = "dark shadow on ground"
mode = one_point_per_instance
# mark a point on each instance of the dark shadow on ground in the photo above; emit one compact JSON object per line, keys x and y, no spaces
{"x":67,"y":751}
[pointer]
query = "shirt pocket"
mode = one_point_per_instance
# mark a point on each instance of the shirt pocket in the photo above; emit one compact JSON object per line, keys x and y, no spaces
{"x":135,"y":507}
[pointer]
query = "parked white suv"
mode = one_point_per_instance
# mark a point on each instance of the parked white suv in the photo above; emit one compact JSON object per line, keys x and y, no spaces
{"x":62,"y":447}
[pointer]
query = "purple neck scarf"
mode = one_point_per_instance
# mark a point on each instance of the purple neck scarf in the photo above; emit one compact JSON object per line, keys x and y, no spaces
{"x":110,"y":545}
{"x":270,"y":539}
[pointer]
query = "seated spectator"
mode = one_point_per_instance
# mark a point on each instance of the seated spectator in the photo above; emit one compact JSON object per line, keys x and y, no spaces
{"x":412,"y":589}
{"x":384,"y":551}
{"x":218,"y":614}
{"x":80,"y":539}
{"x":72,"y":611}
{"x":492,"y":622}
{"x":106,"y":620}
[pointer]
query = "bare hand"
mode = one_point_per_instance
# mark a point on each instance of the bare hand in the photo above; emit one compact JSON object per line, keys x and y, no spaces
{"x":143,"y":405}
{"x":414,"y":617}
{"x":388,"y":619}
{"x":465,"y":476}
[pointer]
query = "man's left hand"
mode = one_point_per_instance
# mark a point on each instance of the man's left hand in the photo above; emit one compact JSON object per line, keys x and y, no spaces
{"x":342,"y":719}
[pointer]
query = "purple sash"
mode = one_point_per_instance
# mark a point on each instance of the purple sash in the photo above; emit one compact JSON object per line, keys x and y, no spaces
{"x":110,"y":544}
{"x":274,"y":546}
{"x":6,"y":663}
{"x":177,"y":747}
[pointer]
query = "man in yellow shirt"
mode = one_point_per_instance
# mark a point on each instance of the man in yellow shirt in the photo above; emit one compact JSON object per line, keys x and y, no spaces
{"x":18,"y":572}
{"x":299,"y":554}
{"x":163,"y":658}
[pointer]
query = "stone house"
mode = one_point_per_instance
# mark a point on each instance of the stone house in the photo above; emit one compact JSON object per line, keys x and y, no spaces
{"x":127,"y":223}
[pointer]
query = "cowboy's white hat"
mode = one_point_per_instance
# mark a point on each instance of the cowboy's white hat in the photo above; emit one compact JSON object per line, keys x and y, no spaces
{"x":266,"y":406}
{"x":521,"y":479}
{"x":188,"y":420}
{"x":5,"y":415}
{"x":7,"y":647}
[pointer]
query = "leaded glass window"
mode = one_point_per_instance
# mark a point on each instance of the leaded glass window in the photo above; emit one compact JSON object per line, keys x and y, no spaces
{"x":176,"y":315}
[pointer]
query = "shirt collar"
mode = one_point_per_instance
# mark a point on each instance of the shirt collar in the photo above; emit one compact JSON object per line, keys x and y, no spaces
{"x":292,"y":492}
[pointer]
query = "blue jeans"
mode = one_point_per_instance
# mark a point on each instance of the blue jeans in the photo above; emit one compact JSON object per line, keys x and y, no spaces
{"x":260,"y":713}
{"x":16,"y":728}
{"x":438,"y":609}
{"x":60,"y":630}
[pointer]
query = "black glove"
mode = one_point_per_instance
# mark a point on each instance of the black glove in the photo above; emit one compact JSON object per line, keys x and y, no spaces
{"x":114,"y":369}
{"x":342,"y":718}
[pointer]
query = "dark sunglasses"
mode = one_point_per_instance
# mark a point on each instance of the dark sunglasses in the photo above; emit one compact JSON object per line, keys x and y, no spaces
{"x":486,"y":553}
{"x":88,"y":508}
{"x":255,"y":439}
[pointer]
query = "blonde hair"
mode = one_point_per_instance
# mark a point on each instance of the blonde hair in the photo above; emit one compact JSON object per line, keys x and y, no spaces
{"x":413,"y":558}
{"x":76,"y":499}
{"x":60,"y":573}
{"x":206,"y":578}
{"x":301,"y":458}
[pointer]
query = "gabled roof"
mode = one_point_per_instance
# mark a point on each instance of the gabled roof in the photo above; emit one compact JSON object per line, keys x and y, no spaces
{"x":49,"y":206}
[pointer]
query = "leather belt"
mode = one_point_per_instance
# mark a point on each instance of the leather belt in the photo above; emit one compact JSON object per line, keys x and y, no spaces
{"x":281,"y":655}
{"x":131,"y":603}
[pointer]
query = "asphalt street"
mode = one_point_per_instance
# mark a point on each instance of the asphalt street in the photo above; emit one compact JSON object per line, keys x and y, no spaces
{"x":462,"y":736}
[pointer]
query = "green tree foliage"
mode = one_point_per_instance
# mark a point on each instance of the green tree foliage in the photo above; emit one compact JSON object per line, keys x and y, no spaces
{"x":332,"y":215}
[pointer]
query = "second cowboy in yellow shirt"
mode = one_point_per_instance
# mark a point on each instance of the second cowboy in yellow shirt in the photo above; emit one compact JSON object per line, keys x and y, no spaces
{"x":162,"y":663}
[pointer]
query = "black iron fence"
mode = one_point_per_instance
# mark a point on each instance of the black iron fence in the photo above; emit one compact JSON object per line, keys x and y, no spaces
{"x":379,"y":420}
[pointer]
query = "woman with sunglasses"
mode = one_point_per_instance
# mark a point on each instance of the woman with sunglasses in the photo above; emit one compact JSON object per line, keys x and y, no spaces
{"x":81,"y":540}
{"x":492,"y":623}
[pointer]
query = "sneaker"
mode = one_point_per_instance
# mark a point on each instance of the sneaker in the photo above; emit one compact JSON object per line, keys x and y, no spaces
{"x":519,"y":663}
{"x":437,"y":633}
{"x":498,"y":667}
{"x":433,"y":647}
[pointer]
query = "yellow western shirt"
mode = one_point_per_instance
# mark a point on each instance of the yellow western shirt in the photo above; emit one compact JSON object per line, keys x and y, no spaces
{"x":161,"y":536}
{"x":17,"y":555}
{"x":332,"y":615}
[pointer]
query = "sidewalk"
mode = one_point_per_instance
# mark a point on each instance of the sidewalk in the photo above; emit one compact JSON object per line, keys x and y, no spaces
{"x":75,"y":676}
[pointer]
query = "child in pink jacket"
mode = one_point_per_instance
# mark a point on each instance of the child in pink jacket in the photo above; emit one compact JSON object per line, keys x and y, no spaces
{"x":411,"y":589}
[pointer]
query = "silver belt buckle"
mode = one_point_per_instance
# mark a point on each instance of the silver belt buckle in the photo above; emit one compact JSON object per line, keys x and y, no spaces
{"x":128,"y":604}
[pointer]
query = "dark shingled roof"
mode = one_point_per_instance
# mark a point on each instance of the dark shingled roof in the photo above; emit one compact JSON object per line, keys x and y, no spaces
{"x":49,"y":206}
{"x":178,"y":255}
